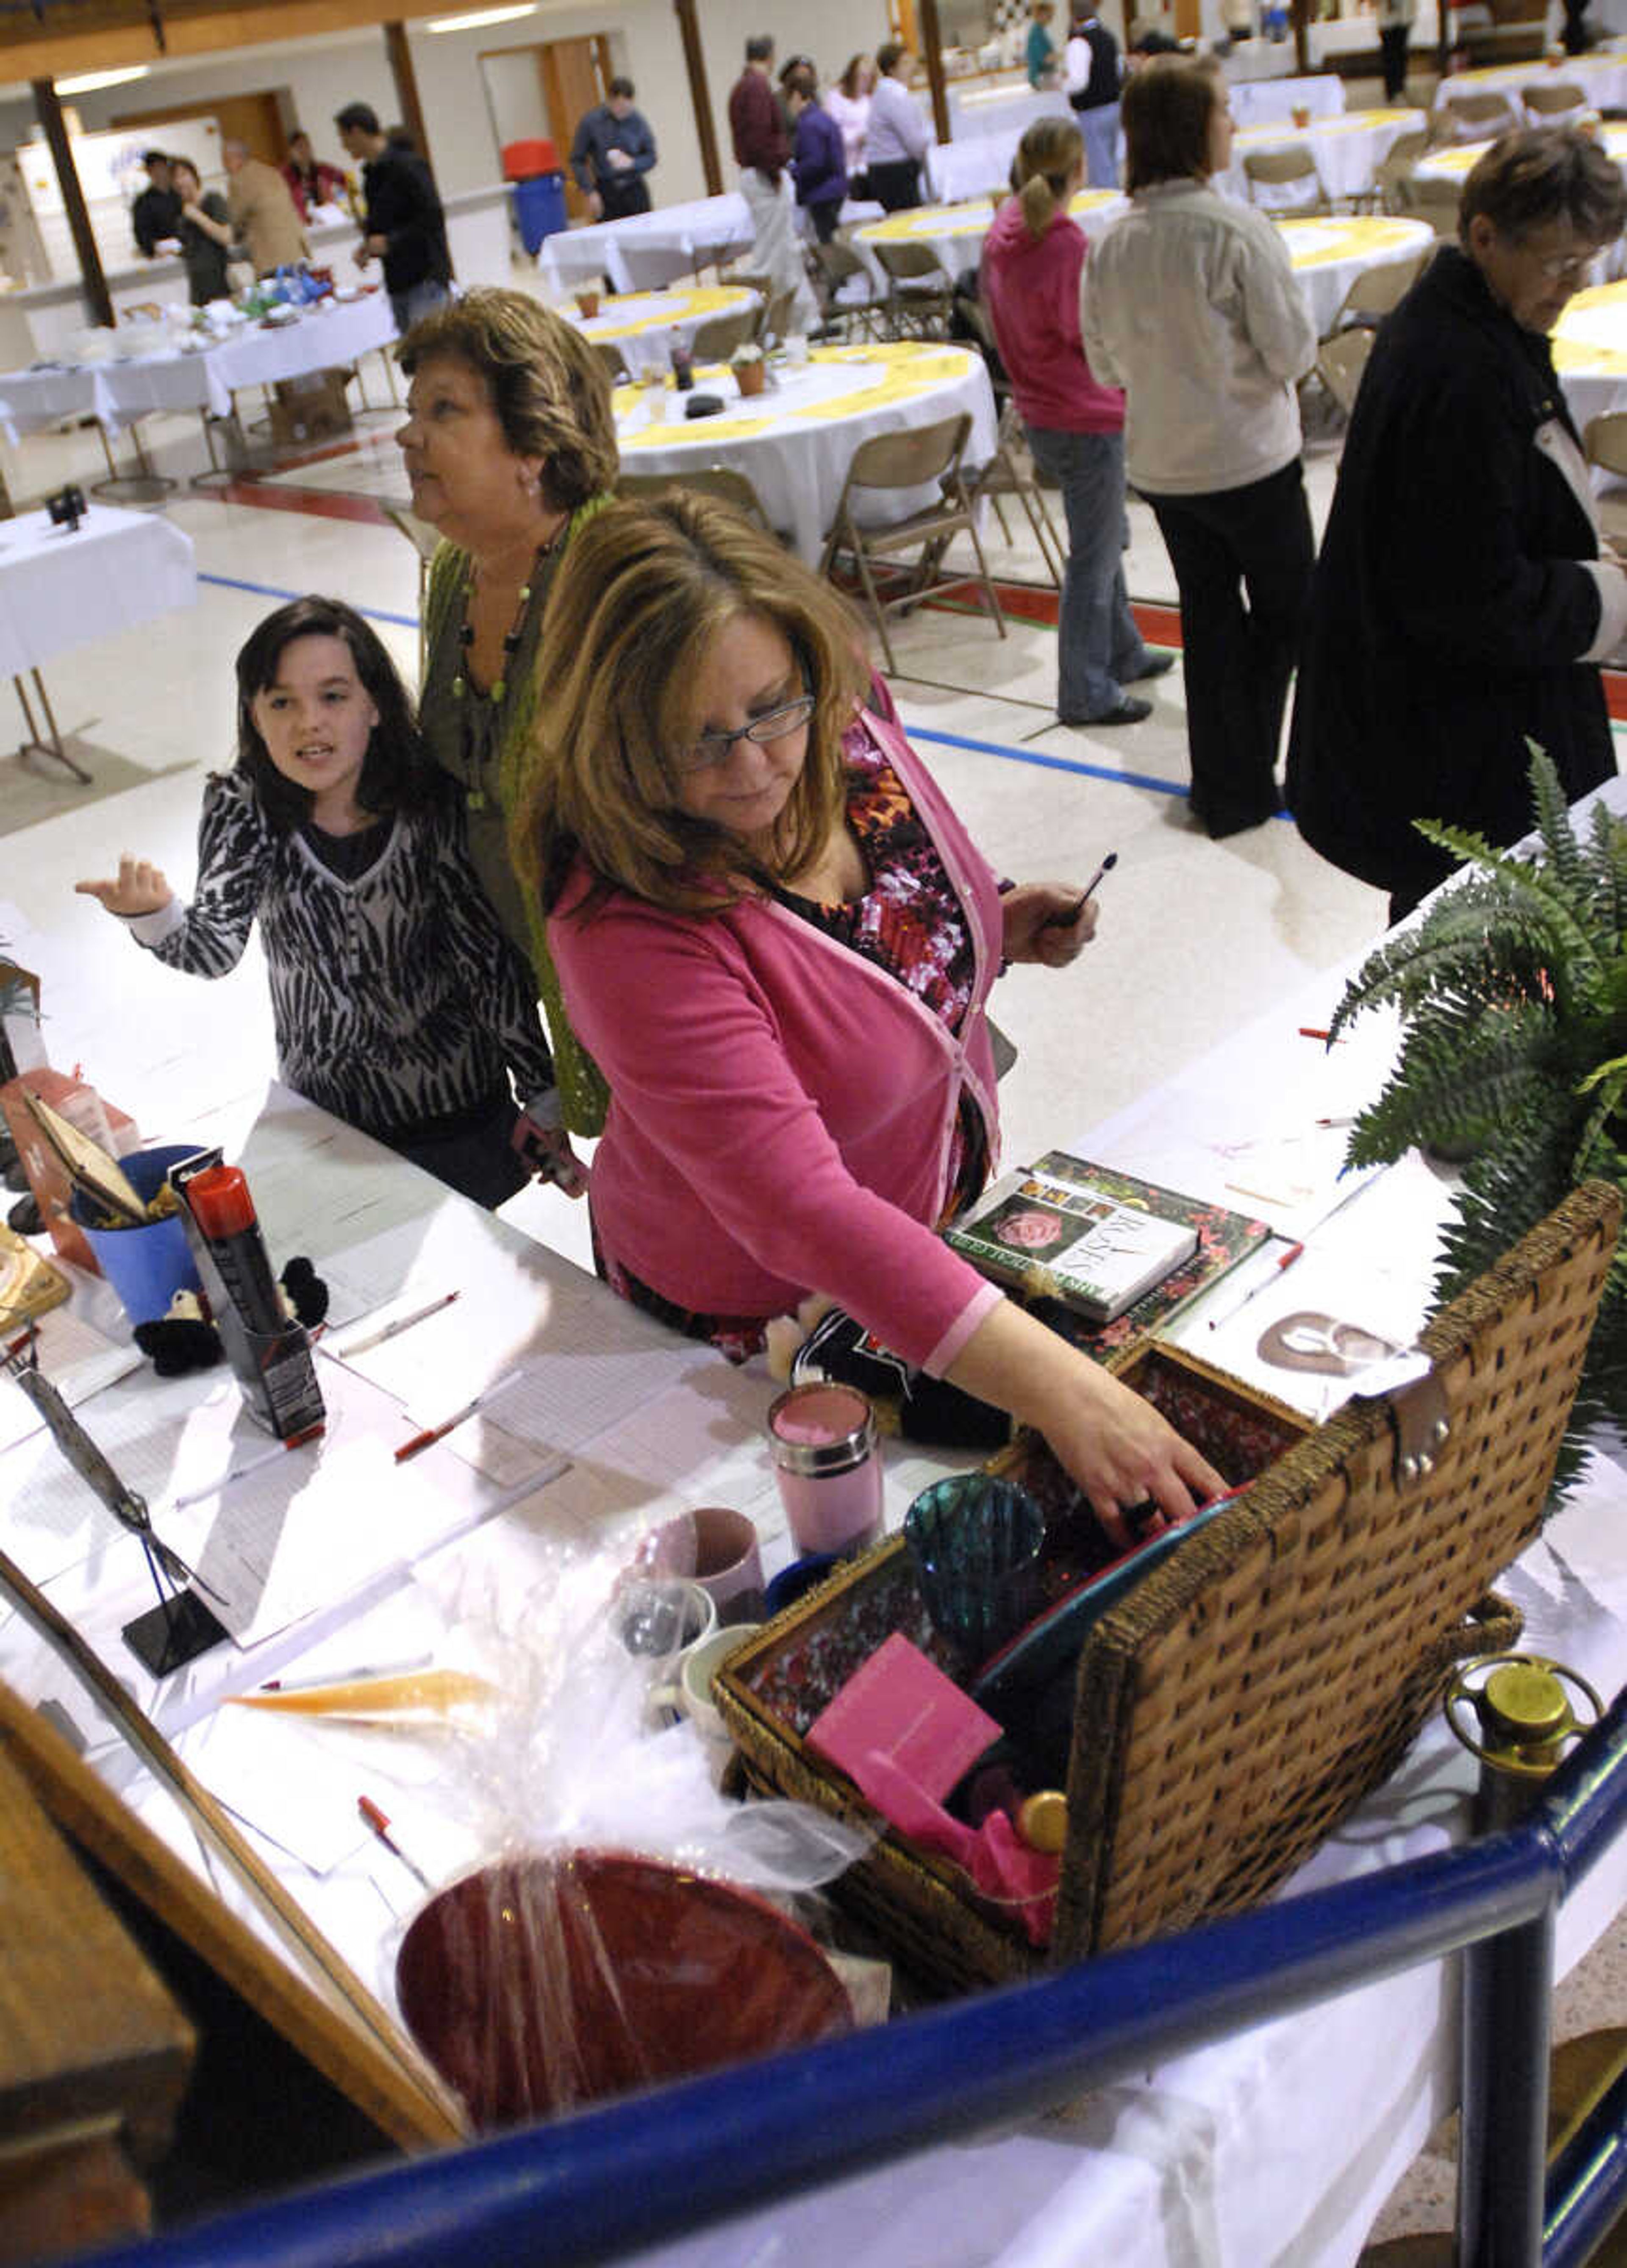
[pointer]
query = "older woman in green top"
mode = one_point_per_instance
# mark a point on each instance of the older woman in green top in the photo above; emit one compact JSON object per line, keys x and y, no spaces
{"x":509,"y":445}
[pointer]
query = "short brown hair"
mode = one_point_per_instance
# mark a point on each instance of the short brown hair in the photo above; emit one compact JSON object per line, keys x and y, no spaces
{"x":1535,"y":175}
{"x":1166,"y":110}
{"x":888,"y":55}
{"x":640,"y":598}
{"x":548,"y":385}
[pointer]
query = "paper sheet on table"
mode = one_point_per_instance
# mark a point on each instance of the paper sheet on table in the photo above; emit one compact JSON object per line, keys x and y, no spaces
{"x":1360,"y":1302}
{"x":300,"y":1532}
{"x":582,"y":1359}
{"x":77,"y":1357}
{"x":296,"y":1779}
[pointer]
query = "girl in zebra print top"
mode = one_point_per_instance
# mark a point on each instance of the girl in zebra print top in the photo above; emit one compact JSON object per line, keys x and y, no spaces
{"x":399,"y":1003}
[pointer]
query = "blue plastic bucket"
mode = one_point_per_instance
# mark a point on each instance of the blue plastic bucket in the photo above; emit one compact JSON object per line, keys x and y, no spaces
{"x":146,"y":1266}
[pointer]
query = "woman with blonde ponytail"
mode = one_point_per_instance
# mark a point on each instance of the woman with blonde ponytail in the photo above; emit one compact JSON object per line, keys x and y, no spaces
{"x":1032,"y":264}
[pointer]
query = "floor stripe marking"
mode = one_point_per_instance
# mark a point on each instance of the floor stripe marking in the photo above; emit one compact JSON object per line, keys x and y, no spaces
{"x":271,"y":591}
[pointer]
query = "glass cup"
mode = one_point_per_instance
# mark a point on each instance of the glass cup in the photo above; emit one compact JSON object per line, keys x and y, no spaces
{"x":653,"y":387}
{"x":976,"y":1544}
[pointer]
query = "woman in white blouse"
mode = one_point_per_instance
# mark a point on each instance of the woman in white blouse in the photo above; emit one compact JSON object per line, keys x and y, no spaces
{"x":847,"y":101}
{"x":1191,"y":304}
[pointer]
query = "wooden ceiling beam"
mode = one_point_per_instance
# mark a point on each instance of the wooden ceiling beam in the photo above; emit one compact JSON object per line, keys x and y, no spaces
{"x":64,"y":54}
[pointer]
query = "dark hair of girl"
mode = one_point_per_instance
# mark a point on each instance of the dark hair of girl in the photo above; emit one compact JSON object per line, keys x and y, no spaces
{"x":397,"y":772}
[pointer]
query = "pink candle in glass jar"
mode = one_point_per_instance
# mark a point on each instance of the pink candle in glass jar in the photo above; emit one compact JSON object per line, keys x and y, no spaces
{"x":823,"y":1441}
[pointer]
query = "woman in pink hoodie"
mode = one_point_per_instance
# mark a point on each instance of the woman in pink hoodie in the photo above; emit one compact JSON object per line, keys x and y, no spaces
{"x":1075,"y":426}
{"x":777,"y":940}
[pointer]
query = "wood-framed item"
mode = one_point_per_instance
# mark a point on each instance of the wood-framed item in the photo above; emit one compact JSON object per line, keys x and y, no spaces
{"x":29,"y":1285}
{"x":86,"y":1164}
{"x":1237,"y":1703}
{"x":308,"y":1994}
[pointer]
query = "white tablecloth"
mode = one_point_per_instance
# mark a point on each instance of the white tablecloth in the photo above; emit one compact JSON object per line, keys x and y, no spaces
{"x":794,"y":444}
{"x":119,"y":392}
{"x":58,"y":590}
{"x":955,"y":234}
{"x":1590,"y":352}
{"x":1328,"y":255}
{"x":974,"y":110}
{"x":1346,"y":152}
{"x":1455,"y":164}
{"x":648,"y":249}
{"x":1601,"y":76}
{"x":644,"y":325}
{"x":1272,"y":101}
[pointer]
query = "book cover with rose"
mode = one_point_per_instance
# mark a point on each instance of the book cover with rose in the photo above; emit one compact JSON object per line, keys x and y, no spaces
{"x":1100,"y":1242}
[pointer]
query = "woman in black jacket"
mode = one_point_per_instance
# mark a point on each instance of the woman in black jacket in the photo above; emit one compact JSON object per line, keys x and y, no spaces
{"x":1461,"y":605}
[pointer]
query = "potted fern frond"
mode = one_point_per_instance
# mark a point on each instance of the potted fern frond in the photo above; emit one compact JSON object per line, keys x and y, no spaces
{"x":1512,"y":996}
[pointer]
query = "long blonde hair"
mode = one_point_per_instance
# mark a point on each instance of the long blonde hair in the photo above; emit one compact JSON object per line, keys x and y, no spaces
{"x":639,"y":600}
{"x":1042,"y":169}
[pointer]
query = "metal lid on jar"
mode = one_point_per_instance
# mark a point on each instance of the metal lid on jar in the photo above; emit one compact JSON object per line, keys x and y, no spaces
{"x":822,"y":1428}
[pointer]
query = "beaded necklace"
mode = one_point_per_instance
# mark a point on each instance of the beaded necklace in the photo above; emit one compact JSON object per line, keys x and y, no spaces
{"x":480,"y":717}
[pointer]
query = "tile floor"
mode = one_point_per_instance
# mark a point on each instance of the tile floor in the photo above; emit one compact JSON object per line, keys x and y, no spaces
{"x":1195,"y":937}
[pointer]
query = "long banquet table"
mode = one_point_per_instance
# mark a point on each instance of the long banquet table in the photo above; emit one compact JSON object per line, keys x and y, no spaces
{"x":1277,"y":2144}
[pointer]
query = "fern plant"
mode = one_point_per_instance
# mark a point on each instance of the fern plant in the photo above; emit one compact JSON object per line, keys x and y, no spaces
{"x":1513,"y":996}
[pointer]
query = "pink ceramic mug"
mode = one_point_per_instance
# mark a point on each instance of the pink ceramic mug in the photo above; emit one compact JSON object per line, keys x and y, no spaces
{"x":718,"y":1547}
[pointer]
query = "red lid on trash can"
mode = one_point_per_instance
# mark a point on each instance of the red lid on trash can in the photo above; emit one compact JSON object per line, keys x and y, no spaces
{"x":522,"y":160}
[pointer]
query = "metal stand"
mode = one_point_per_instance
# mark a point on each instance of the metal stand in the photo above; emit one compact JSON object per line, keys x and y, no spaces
{"x":143,"y":486}
{"x":53,"y":747}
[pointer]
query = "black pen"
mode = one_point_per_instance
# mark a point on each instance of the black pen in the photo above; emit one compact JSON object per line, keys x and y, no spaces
{"x":1066,"y":920}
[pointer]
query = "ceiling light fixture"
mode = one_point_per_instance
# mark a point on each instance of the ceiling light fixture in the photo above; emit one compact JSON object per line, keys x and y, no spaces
{"x":87,"y":82}
{"x":481,"y":16}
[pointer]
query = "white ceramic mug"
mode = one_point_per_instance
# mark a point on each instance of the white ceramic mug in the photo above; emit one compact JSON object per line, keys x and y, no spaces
{"x":688,"y":1692}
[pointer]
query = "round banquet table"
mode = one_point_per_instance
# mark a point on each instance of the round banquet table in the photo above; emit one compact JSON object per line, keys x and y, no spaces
{"x":955,"y":234}
{"x":794,"y":442}
{"x":1346,"y":150}
{"x":1455,"y":164}
{"x":1260,"y":102}
{"x":642,"y":326}
{"x":1328,"y":254}
{"x":1590,"y":352}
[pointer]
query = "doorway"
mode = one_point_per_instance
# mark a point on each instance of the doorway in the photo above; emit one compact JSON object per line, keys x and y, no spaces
{"x":545,"y":89}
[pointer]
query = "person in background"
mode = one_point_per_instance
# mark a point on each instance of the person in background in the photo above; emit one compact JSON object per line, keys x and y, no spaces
{"x":899,"y":138}
{"x":1463,"y":601}
{"x":1032,"y":262}
{"x":405,"y":227}
{"x":509,"y":449}
{"x":1395,"y":19}
{"x":612,"y":155}
{"x":847,"y":101}
{"x":310,"y":181}
{"x":261,"y":211}
{"x":1090,"y":74}
{"x":155,"y":217}
{"x":399,"y":1003}
{"x":821,"y":172}
{"x":205,"y":234}
{"x":1040,"y":53}
{"x":763,"y":151}
{"x":1188,"y":302}
{"x":779,"y":940}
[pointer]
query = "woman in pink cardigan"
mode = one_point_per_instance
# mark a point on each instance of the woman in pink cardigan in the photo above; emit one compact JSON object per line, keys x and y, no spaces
{"x":777,"y":940}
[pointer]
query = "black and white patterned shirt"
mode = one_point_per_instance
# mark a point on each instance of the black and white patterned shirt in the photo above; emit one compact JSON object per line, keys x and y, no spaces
{"x":398,"y":1001}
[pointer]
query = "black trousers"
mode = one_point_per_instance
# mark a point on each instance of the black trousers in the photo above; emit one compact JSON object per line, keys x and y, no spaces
{"x":1393,"y":40}
{"x":896,"y":188}
{"x":824,"y":217}
{"x":621,"y":199}
{"x":1242,"y":559}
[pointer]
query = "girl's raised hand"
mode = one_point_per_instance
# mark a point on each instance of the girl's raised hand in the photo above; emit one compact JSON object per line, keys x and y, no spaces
{"x":139,"y":889}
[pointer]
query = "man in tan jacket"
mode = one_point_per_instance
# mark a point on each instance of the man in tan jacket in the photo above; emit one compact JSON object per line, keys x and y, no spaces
{"x":262,"y":212}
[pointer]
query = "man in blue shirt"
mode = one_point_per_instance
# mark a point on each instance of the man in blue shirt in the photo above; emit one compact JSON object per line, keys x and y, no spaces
{"x":612,"y":151}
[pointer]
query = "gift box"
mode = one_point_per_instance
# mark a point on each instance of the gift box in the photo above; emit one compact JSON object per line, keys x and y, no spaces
{"x":1231,"y":1705}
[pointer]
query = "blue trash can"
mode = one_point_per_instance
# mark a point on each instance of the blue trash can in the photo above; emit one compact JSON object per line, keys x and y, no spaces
{"x":146,"y":1266}
{"x":540,"y":208}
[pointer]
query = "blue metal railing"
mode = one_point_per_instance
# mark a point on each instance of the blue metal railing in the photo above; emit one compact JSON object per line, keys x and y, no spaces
{"x":600,"y":2184}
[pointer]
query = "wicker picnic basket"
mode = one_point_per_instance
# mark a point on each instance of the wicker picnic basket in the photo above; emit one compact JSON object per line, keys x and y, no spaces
{"x":1238,"y":1700}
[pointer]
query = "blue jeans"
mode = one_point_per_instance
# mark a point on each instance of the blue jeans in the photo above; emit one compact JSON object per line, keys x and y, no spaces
{"x":1097,"y":641}
{"x":417,"y":300}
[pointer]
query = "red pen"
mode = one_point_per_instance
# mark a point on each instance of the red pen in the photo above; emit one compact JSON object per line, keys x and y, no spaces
{"x":378,"y":1821}
{"x":1285,"y":1260}
{"x":432,"y":1433}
